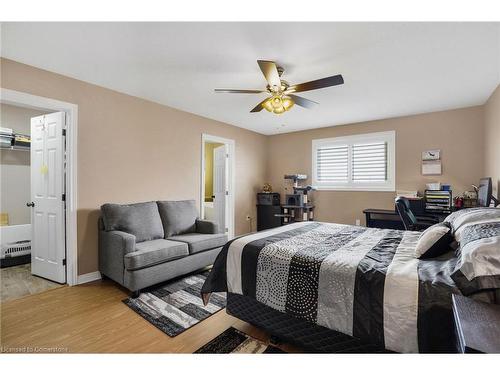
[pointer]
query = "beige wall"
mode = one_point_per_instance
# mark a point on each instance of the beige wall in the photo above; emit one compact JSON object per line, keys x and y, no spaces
{"x":15,"y":188}
{"x":492,"y":139}
{"x":458,"y":134}
{"x":130,"y":150}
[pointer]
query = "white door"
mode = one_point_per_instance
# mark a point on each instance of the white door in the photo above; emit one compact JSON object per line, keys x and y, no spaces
{"x":47,"y":188}
{"x":220,"y":186}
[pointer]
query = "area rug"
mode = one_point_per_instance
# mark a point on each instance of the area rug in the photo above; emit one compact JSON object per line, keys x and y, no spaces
{"x":236,"y":342}
{"x":176,"y":306}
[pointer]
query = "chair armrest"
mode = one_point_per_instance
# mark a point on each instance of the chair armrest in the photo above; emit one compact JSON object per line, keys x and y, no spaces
{"x":206,"y":227}
{"x":113,"y":246}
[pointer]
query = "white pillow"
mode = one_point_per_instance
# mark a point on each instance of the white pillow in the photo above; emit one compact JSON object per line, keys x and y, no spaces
{"x":434,"y":241}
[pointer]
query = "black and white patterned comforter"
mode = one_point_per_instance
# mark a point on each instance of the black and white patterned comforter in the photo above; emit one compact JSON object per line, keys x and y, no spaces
{"x":364,"y":282}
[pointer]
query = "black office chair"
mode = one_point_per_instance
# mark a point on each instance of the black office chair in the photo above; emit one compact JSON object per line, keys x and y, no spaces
{"x":409,"y":220}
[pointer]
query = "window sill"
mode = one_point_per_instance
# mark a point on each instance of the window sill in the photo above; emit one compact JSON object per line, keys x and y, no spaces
{"x":361,"y":188}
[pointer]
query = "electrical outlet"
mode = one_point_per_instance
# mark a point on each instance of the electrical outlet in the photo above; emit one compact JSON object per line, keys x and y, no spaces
{"x":249,"y":217}
{"x":358,"y":222}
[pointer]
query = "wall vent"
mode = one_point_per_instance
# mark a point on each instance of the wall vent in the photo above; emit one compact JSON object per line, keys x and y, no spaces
{"x":15,"y":249}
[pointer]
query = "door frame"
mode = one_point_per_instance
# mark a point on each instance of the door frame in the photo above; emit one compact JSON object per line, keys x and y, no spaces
{"x":231,"y":177}
{"x":22,"y":99}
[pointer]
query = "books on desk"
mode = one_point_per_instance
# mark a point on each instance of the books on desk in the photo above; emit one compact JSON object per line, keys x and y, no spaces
{"x":439,"y":201}
{"x":410,"y":194}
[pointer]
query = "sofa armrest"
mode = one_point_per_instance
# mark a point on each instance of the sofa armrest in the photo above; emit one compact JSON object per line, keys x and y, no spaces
{"x":113,"y":246}
{"x":206,"y":227}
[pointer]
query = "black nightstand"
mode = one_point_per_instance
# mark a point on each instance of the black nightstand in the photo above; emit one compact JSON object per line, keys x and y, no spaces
{"x":477,"y":325}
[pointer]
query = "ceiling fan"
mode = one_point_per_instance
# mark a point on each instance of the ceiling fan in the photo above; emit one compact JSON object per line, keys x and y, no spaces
{"x":281,"y":93}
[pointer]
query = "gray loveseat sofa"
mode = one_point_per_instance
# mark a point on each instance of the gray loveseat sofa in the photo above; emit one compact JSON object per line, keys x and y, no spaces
{"x":143,"y":244}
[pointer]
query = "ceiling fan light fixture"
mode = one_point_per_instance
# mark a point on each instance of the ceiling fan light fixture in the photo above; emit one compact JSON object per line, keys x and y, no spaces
{"x":276,"y":102}
{"x":268,"y":106}
{"x":287,"y":102}
{"x":279,"y":110}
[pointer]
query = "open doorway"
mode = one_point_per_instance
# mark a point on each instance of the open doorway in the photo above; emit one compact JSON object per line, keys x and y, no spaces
{"x":32,"y":231}
{"x":217,"y":195}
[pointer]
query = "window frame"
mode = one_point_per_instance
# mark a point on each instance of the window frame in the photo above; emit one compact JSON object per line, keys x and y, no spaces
{"x":388,"y":185}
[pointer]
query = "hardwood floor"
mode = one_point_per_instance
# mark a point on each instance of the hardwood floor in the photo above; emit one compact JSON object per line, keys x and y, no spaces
{"x":91,"y":318}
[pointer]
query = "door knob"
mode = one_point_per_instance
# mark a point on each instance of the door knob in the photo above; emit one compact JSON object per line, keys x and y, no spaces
{"x":32,"y":204}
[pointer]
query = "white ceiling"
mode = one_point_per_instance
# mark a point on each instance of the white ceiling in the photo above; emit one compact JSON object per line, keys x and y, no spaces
{"x":390,"y":69}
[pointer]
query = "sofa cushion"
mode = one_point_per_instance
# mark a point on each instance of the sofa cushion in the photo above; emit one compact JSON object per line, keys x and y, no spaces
{"x":198,"y":242}
{"x":140,"y":219}
{"x":149,"y":253}
{"x":178,"y":217}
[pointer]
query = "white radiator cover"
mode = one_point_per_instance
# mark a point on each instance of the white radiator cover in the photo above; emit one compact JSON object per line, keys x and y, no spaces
{"x":15,"y":240}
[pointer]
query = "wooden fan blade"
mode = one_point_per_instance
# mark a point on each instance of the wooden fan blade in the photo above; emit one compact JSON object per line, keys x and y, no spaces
{"x":238,"y":91}
{"x":270,"y":71}
{"x":303,"y":102}
{"x":259,"y":107}
{"x":317,"y":84}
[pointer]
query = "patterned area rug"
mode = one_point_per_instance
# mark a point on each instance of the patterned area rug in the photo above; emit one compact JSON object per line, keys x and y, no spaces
{"x":176,"y":306}
{"x":237,"y":342}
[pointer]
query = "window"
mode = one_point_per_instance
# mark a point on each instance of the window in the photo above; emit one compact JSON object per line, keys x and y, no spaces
{"x":358,"y":162}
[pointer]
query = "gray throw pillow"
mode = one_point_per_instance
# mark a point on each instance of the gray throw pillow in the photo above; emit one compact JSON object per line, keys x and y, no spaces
{"x":140,"y":219}
{"x":178,"y":217}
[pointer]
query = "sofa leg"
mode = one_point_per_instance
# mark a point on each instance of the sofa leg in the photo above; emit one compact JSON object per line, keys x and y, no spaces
{"x":136,"y":293}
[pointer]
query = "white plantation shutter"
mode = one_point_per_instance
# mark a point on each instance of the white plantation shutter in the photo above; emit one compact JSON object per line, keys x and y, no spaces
{"x":369,"y":162}
{"x":358,"y":162}
{"x":333,"y":164}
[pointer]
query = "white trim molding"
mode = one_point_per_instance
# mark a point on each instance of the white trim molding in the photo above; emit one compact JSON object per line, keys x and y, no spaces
{"x":89,"y":277}
{"x":231,"y":176}
{"x":347,"y":142}
{"x":26,"y":100}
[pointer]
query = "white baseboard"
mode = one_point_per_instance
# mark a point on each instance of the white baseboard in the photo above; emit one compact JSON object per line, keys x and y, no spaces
{"x":88,"y":277}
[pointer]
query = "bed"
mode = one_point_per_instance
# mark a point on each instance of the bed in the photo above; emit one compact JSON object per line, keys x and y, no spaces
{"x":347,"y":287}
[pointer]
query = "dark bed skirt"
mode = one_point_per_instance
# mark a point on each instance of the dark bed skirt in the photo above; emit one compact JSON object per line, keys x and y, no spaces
{"x":301,"y":333}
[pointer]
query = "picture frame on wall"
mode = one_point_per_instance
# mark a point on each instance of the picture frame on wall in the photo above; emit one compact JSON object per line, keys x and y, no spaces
{"x":431,"y":155}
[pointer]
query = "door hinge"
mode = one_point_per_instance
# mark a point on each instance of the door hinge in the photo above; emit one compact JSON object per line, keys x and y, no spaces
{"x":64,"y":132}
{"x":227,"y":155}
{"x":64,"y":197}
{"x":64,"y":262}
{"x":227,"y":192}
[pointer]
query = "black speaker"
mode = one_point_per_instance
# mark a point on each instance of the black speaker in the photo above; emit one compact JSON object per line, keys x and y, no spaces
{"x":268,"y":199}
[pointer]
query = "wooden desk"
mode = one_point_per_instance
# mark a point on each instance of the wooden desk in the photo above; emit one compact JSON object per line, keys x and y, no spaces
{"x":389,"y":219}
{"x":386,"y":219}
{"x":477,"y":325}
